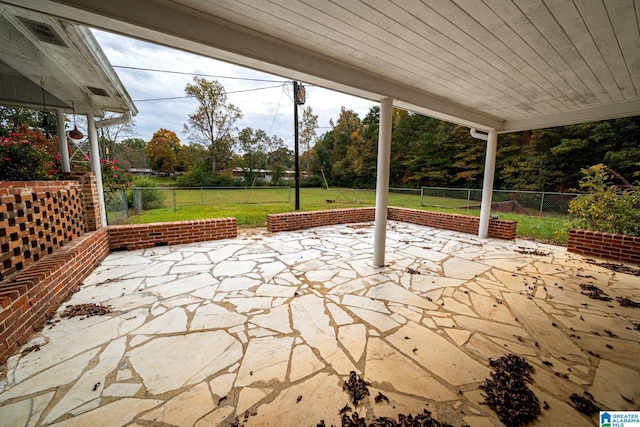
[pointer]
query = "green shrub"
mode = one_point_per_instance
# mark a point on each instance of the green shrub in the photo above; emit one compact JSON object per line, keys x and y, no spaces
{"x":199,"y":177}
{"x":606,"y":207}
{"x":312,"y":181}
{"x":152,"y":198}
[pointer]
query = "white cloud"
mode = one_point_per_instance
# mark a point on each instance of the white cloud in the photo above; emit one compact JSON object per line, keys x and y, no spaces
{"x":268,"y":109}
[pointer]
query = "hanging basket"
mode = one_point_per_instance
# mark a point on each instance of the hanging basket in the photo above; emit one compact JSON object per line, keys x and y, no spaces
{"x":75,"y":133}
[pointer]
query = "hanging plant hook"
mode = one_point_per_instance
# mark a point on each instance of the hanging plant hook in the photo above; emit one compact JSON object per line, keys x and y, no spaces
{"x":75,"y":133}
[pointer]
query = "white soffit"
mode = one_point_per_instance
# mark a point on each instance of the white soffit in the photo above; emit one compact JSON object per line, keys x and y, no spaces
{"x":504,"y":64}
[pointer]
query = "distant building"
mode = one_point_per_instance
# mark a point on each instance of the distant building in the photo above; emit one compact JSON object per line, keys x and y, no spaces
{"x":142,"y":171}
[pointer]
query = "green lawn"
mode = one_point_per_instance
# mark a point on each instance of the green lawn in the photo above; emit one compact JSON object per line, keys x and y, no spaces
{"x":250,"y":207}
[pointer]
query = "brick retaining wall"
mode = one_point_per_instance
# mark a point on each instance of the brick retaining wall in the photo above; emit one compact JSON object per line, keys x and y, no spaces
{"x":499,"y":229}
{"x":618,"y":247}
{"x":138,"y":236}
{"x":301,"y":220}
{"x":28,"y":297}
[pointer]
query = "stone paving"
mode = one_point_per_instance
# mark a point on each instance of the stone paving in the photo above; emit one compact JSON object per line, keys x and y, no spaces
{"x":267,"y":327}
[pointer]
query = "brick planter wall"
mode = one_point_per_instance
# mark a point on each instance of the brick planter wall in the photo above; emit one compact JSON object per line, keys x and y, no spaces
{"x":618,"y":247}
{"x":36,"y":218}
{"x":28,"y":297}
{"x":499,"y":229}
{"x":301,"y":220}
{"x":138,"y":236}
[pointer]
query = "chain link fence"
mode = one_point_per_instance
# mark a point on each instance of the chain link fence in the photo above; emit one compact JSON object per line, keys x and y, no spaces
{"x":117,"y":207}
{"x":530,"y":202}
{"x":148,"y":198}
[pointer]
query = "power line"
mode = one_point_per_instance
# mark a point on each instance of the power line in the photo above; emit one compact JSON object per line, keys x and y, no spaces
{"x":188,"y":96}
{"x":195,"y":74}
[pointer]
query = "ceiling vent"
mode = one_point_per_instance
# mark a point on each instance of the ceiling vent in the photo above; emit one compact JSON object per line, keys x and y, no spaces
{"x":97,"y":91}
{"x":43,"y":32}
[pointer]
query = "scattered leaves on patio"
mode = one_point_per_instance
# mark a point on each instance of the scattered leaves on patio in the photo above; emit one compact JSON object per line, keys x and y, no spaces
{"x":413,"y":271}
{"x":507,"y":392}
{"x":626,"y":302}
{"x":618,"y":268}
{"x":536,"y":252}
{"x":584,"y":404}
{"x":356,"y":387}
{"x":86,"y":310}
{"x":422,"y":420}
{"x":594,"y":292}
{"x":30,"y":349}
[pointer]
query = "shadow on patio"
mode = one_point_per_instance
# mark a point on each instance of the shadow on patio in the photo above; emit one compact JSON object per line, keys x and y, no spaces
{"x":267,"y":327}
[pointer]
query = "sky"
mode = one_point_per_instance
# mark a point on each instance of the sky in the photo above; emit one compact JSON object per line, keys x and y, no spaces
{"x":269,"y":109}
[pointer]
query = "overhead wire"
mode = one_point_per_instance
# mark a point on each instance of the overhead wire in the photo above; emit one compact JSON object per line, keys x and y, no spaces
{"x":157,"y":70}
{"x":189,"y":96}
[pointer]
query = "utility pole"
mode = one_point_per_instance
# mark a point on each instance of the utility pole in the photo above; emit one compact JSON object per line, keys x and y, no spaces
{"x":299,"y":98}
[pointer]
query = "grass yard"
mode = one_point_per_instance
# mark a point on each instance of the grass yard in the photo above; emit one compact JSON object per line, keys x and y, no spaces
{"x":250,"y":207}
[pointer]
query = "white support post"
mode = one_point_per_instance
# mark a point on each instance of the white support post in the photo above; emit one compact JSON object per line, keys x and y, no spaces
{"x":62,"y":141}
{"x":487,"y":185}
{"x":94,"y":153}
{"x":382,"y":184}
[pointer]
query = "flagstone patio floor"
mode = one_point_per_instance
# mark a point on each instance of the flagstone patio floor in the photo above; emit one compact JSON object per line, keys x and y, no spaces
{"x":267,"y":327}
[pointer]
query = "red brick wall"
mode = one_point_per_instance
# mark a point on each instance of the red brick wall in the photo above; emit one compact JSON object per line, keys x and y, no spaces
{"x":28,"y":297}
{"x":90,"y":200}
{"x":36,"y":218}
{"x":138,"y":236}
{"x":618,"y":247}
{"x":500,"y":229}
{"x":301,"y":220}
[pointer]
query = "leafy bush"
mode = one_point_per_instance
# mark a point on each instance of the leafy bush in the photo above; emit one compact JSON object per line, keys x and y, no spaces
{"x":27,"y":155}
{"x":152,"y":198}
{"x":199,"y":177}
{"x":607,"y":207}
{"x":312,"y":181}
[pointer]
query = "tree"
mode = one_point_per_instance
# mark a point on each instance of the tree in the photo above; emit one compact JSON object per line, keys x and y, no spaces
{"x":307,"y":135}
{"x":279,"y":160}
{"x":213,"y":123}
{"x":163,"y":150}
{"x":131,"y":153}
{"x":11,"y":118}
{"x":109,"y":136}
{"x":254,"y":148}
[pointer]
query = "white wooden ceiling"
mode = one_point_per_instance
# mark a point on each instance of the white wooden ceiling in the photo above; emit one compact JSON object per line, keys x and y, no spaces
{"x":39,"y":52}
{"x":503,"y":64}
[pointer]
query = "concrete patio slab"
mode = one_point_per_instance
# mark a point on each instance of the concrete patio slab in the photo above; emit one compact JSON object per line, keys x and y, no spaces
{"x":265,"y":328}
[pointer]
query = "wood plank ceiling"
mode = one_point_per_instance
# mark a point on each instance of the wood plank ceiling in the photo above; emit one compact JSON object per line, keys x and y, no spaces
{"x":506,"y":64}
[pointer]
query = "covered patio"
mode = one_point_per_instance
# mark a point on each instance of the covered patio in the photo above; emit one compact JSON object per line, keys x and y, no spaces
{"x":266,"y":328}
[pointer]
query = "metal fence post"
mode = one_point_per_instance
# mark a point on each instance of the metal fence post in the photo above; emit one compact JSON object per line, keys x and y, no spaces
{"x":175,"y":207}
{"x":421,"y":196}
{"x":541,"y":201}
{"x":468,"y":198}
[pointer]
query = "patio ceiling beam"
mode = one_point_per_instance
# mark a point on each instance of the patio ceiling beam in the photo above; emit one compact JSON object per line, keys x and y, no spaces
{"x":217,"y":38}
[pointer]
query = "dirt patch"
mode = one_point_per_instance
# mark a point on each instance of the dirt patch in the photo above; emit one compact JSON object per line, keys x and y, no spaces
{"x":618,"y":268}
{"x":507,"y":392}
{"x":86,"y":310}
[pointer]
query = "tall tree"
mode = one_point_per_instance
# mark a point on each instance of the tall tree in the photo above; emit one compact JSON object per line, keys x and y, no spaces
{"x":109,"y":136}
{"x":213,"y":123}
{"x":308,"y":126}
{"x":163,"y":150}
